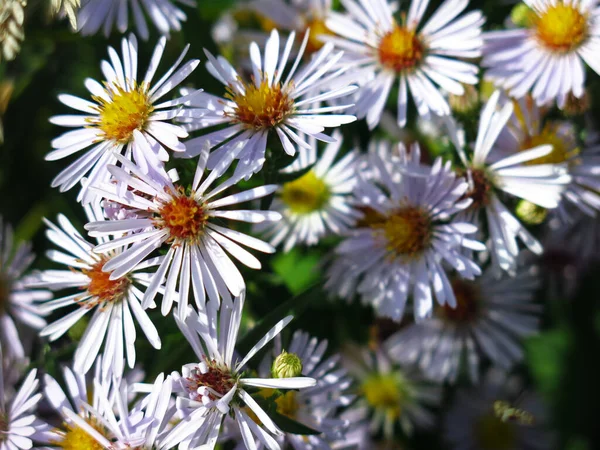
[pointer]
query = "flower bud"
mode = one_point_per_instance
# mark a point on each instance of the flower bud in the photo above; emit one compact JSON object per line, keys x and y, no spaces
{"x":286,"y":365}
{"x":531,"y":213}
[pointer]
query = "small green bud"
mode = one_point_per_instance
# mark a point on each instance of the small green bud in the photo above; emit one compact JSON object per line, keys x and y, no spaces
{"x":286,"y":365}
{"x":531,"y":213}
{"x":508,"y":413}
{"x":521,"y":15}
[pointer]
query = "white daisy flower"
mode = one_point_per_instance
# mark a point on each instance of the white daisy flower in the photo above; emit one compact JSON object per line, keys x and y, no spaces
{"x":110,"y":14}
{"x":113,"y":303}
{"x":490,"y":319}
{"x":318,"y":202}
{"x":402,"y":248}
{"x":299,"y":16}
{"x":269,"y":105}
{"x":19,"y":301}
{"x":528,"y":128}
{"x":124,"y":117}
{"x":190,"y":223}
{"x":215,"y":387}
{"x":79,"y":404}
{"x":388,"y":394}
{"x":317,"y":406}
{"x":419,"y":57}
{"x":547,"y":56}
{"x":490,"y":171}
{"x":19,"y":426}
{"x":498,"y":414}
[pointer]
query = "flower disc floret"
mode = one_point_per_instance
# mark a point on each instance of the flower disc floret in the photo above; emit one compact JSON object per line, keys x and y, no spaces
{"x":400,"y":49}
{"x":561,"y":151}
{"x":317,"y":29}
{"x":407,"y":231}
{"x":307,"y":194}
{"x":77,"y":438}
{"x":561,"y":27}
{"x":480,"y":189}
{"x":101,"y":287}
{"x":212,"y":377}
{"x":384,"y":391}
{"x":261,"y":107}
{"x":125,"y":112}
{"x":184,"y":217}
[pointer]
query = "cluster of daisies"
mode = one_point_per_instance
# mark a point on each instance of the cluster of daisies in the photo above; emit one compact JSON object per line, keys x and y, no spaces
{"x":448,"y":239}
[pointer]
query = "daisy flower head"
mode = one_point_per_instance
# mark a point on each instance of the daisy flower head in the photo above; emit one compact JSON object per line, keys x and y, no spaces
{"x":190,"y":222}
{"x":109,"y":14}
{"x":270,"y":105}
{"x":125,"y":117}
{"x":498,"y":414}
{"x":389,"y":395}
{"x":19,"y":426}
{"x":19,"y":301}
{"x":317,"y":406}
{"x":318,"y":202}
{"x":546,"y":57}
{"x":299,"y":16}
{"x":529,"y":128}
{"x":490,"y":171}
{"x":491,"y":317}
{"x":216,"y":386}
{"x":405,"y":243}
{"x":114,"y":304}
{"x":418,"y":56}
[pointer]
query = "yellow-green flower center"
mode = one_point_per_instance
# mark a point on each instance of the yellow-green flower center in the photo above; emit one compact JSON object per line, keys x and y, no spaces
{"x":561,"y":27}
{"x":306,"y":194}
{"x":77,"y":438}
{"x":125,"y":112}
{"x":261,"y":107}
{"x":400,"y":49}
{"x":407,"y":231}
{"x":561,"y":152}
{"x":491,"y":433}
{"x":387,"y":392}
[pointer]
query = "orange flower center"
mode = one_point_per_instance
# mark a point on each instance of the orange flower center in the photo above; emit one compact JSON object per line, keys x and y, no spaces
{"x":184,"y":216}
{"x":467,"y":303}
{"x":261,"y":107}
{"x":101,"y":287}
{"x":561,"y":27}
{"x":400,"y":49}
{"x":407,"y":231}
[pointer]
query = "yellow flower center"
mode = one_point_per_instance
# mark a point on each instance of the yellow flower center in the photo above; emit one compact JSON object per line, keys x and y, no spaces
{"x":287,"y":404}
{"x":261,"y":107}
{"x":386,"y":392}
{"x":4,"y":293}
{"x":561,"y":27}
{"x":491,"y":433}
{"x":467,"y":302}
{"x":101,"y":287}
{"x":125,"y":112}
{"x":400,"y":49}
{"x":407,"y":231}
{"x":317,"y":29}
{"x":77,"y":438}
{"x":306,"y":194}
{"x":561,"y":152}
{"x":184,"y":216}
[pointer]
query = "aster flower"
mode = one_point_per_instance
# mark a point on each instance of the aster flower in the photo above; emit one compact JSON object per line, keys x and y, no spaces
{"x":318,"y":202}
{"x":402,"y":248}
{"x":269,"y":105}
{"x":19,"y":300}
{"x":317,"y":406}
{"x":190,"y":223}
{"x":215,"y":386}
{"x":113,"y":303}
{"x":490,"y":171}
{"x":80,"y":404}
{"x":477,"y":419}
{"x":492,"y":315}
{"x":388,"y":394}
{"x":528,"y":128}
{"x":419,"y":57}
{"x":109,"y":14}
{"x":124,"y":117}
{"x":546,"y":57}
{"x":19,"y":426}
{"x":299,"y":16}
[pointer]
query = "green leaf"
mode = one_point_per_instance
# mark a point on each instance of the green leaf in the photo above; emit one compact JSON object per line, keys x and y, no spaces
{"x":294,"y":306}
{"x":297,"y":268}
{"x":290,"y":425}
